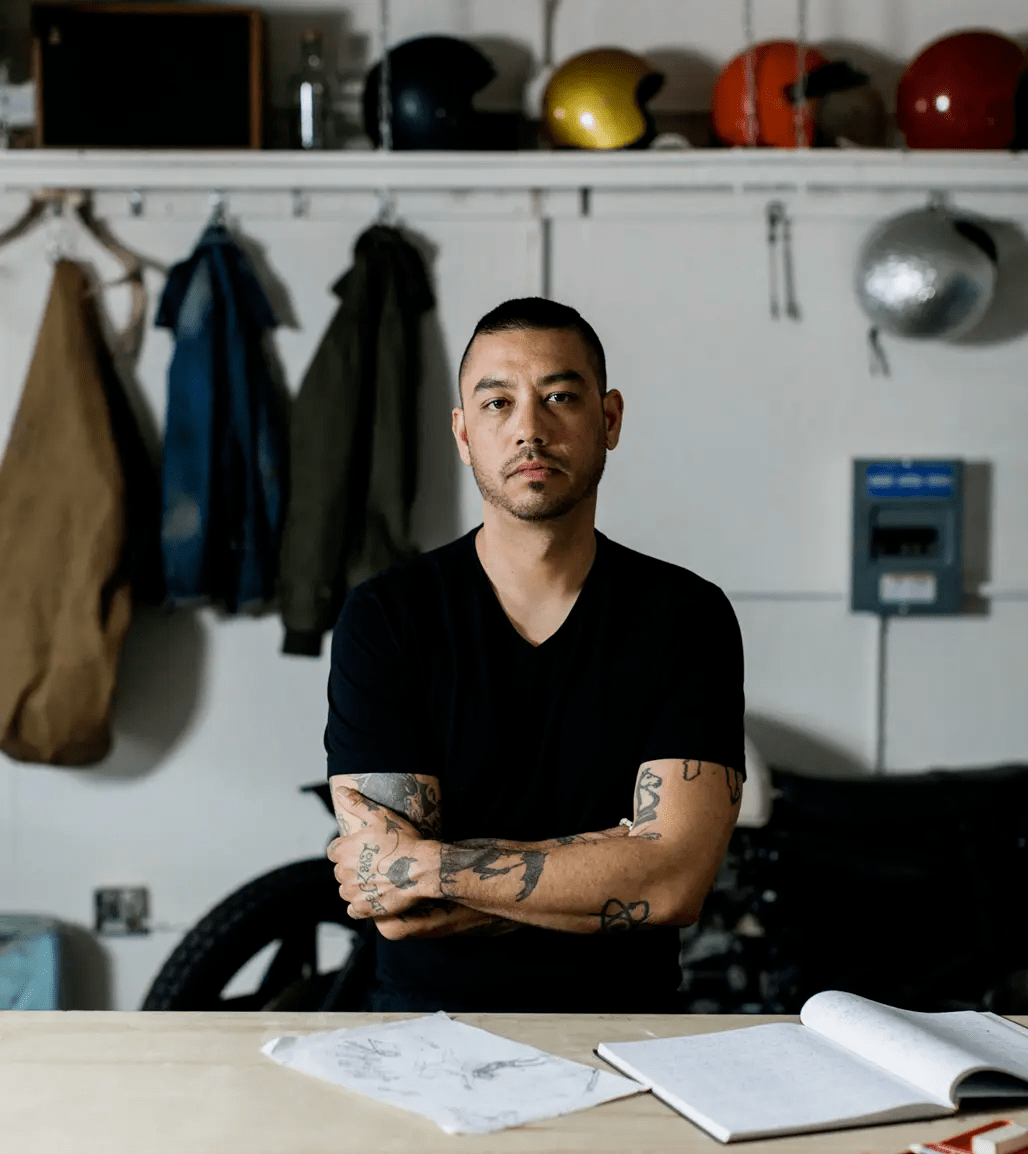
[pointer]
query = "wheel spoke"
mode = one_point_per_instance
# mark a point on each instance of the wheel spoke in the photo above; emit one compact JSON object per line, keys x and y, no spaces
{"x":295,"y":961}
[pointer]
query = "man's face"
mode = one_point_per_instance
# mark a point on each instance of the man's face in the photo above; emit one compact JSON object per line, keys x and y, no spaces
{"x":534,"y":428}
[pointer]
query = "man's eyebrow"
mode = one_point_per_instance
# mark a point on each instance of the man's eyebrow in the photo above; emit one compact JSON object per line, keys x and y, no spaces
{"x":487,"y":383}
{"x":570,"y":375}
{"x":564,"y":374}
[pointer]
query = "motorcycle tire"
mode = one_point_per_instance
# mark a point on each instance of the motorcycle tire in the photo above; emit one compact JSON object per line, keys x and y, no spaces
{"x":286,"y":906}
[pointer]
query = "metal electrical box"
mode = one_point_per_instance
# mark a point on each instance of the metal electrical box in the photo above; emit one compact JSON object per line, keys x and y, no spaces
{"x":907,"y":536}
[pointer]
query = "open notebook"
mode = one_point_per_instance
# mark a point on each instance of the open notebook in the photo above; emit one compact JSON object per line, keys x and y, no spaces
{"x":852,"y":1062}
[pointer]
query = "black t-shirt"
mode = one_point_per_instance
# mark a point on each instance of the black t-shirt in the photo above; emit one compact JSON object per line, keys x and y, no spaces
{"x":531,"y":742}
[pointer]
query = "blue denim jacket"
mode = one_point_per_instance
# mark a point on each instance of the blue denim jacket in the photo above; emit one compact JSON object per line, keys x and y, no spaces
{"x":225,"y":436}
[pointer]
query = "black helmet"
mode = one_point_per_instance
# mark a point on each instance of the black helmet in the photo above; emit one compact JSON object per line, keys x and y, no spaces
{"x":431,"y":81}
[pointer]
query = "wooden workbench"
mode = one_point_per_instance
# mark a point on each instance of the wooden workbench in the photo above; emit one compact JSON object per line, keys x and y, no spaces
{"x":171,"y":1083}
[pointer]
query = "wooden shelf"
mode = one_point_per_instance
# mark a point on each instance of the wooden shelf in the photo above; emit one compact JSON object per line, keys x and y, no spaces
{"x":707,"y":170}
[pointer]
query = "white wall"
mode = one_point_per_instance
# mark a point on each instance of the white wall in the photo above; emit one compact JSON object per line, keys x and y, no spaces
{"x":735,"y":462}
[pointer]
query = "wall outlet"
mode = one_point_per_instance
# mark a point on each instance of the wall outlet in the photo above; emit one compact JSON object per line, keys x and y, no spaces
{"x":122,"y":910}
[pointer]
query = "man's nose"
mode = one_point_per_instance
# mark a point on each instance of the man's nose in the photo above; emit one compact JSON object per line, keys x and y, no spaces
{"x":531,"y":423}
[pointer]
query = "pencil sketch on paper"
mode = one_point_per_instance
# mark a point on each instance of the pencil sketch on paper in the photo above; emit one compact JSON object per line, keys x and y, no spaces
{"x":466,"y":1080}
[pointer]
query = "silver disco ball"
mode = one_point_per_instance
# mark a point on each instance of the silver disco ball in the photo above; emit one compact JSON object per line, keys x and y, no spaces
{"x":926,"y":273}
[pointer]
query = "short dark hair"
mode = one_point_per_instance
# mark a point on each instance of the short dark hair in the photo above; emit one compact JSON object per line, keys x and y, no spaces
{"x":539,"y":313}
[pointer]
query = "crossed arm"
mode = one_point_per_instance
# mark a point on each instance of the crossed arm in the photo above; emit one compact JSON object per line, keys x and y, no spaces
{"x":392,"y":866}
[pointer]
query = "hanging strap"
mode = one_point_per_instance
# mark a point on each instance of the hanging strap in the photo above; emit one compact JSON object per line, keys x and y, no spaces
{"x":773,"y":213}
{"x":130,"y":339}
{"x":28,"y":220}
{"x":877,"y":361}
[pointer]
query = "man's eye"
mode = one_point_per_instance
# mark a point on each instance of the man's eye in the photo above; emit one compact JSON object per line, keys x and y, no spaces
{"x":563,"y":398}
{"x":496,"y":401}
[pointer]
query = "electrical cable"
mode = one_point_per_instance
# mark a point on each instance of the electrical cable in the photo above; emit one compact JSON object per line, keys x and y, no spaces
{"x":751,"y":74}
{"x":880,"y":696}
{"x":800,"y":105}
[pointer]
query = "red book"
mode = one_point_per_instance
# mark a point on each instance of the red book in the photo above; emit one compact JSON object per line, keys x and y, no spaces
{"x":959,"y":1143}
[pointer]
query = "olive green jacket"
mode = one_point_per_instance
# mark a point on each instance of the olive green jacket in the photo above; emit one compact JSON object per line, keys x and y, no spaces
{"x":353,"y":440}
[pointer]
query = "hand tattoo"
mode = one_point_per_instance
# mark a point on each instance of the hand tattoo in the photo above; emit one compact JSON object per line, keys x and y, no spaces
{"x":647,"y":796}
{"x":405,"y":794}
{"x":616,"y":917}
{"x":399,"y":873}
{"x":481,"y":857}
{"x":365,"y":873}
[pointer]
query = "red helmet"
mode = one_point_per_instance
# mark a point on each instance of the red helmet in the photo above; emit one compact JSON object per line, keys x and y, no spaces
{"x":959,"y":93}
{"x":774,"y":72}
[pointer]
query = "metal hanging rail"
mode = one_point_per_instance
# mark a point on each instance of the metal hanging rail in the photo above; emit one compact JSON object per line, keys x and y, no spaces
{"x":702,"y":170}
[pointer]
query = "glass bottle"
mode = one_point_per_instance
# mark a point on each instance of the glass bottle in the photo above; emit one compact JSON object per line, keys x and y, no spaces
{"x":310,"y":97}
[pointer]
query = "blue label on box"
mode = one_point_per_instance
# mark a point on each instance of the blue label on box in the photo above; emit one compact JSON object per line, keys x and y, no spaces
{"x":917,"y":479}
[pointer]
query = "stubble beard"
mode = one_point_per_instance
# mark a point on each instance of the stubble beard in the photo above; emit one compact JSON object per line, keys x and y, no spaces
{"x":538,"y":506}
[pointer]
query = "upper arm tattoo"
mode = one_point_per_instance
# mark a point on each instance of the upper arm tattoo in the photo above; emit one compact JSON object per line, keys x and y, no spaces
{"x":416,"y":800}
{"x":733,"y":778}
{"x":647,"y":796}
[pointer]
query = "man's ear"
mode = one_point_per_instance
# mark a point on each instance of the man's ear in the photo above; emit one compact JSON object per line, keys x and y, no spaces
{"x":460,"y":434}
{"x":613,"y":415}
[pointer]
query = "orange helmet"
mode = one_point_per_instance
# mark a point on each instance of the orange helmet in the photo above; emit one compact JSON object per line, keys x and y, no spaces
{"x":959,"y":93}
{"x":774,"y":72}
{"x":598,"y":100}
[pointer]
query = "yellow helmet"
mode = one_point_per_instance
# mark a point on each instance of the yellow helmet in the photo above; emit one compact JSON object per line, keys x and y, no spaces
{"x":597,"y":99}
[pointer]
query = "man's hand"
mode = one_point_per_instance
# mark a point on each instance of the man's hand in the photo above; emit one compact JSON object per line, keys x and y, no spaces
{"x":382,"y":864}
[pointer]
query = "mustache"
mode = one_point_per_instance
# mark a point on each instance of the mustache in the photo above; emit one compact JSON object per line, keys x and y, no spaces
{"x":540,"y":455}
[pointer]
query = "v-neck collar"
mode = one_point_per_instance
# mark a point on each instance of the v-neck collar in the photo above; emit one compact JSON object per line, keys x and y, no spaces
{"x":565,"y":627}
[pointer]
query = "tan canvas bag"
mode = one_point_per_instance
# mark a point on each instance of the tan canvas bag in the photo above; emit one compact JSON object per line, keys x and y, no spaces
{"x":64,"y":604}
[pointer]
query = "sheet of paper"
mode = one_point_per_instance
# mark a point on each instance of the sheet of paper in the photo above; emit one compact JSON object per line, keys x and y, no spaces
{"x":466,"y":1080}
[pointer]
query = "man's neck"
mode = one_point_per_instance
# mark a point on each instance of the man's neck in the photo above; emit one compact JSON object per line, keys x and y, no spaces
{"x":538,"y":560}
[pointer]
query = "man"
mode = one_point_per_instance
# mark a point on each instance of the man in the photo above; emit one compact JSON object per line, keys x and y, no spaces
{"x":535,"y":736}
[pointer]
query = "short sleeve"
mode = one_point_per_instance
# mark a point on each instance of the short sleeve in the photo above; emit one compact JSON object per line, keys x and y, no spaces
{"x":368,"y":692}
{"x":700,"y":716}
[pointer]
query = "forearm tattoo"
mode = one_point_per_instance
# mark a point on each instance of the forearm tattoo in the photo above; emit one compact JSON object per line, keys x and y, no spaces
{"x":647,"y":796}
{"x":489,"y":859}
{"x":403,"y":793}
{"x":618,"y":918}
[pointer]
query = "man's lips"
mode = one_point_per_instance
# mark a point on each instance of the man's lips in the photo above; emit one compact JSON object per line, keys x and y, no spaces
{"x":535,"y":469}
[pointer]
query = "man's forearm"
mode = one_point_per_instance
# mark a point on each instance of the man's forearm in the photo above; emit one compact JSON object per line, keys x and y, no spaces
{"x":614,"y":880}
{"x":592,"y":883}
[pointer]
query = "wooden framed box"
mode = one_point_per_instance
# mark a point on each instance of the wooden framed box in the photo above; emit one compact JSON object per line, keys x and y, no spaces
{"x":148,"y":75}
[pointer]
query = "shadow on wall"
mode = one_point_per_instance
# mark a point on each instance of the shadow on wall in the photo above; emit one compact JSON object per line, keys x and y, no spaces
{"x":160,"y":687}
{"x":1007,"y":318}
{"x":85,"y":981}
{"x":436,"y":513}
{"x":977,"y":535}
{"x":683,"y":103}
{"x":782,"y":746}
{"x":515,"y":66}
{"x":884,"y":73}
{"x":689,"y":79}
